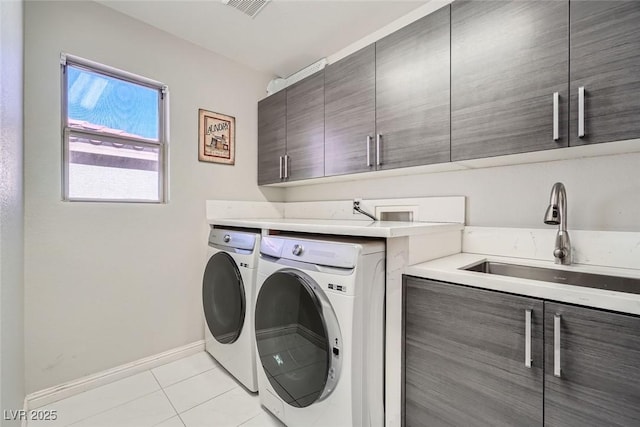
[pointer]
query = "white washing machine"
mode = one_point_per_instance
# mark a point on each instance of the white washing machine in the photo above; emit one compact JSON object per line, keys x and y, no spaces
{"x":228,"y":298}
{"x":319,"y":320}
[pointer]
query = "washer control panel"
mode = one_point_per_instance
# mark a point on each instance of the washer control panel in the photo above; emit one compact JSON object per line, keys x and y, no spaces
{"x":232,"y":239}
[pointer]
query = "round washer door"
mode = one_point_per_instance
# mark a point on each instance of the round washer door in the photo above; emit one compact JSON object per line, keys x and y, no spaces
{"x":223,"y":298}
{"x":298,"y":338}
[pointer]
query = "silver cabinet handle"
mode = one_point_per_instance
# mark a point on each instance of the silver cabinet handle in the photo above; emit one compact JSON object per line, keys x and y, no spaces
{"x":378,"y":138}
{"x":556,"y":345}
{"x":286,"y":166}
{"x":281,"y":167}
{"x":556,"y":102}
{"x":581,"y":111}
{"x":368,"y":150}
{"x":527,"y":338}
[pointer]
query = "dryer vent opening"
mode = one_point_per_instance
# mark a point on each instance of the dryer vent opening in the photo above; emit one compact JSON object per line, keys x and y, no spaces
{"x":248,"y":7}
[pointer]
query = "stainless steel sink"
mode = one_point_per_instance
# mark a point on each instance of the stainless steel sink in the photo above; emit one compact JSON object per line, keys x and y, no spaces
{"x":600,"y":281}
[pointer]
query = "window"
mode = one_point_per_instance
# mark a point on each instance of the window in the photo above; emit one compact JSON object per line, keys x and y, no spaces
{"x":114,"y":134}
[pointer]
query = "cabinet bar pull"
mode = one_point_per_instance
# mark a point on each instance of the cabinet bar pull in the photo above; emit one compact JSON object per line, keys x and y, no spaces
{"x":556,"y":102}
{"x":378,"y":138}
{"x":286,"y":166}
{"x":280,"y":167}
{"x":581,"y":111}
{"x":368,"y":150}
{"x":556,"y":345}
{"x":527,"y":338}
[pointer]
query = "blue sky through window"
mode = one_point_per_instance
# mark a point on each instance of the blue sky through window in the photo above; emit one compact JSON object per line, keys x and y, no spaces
{"x":106,"y":101}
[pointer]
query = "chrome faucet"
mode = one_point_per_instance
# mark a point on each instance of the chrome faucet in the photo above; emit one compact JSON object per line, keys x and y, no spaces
{"x":557,"y":215}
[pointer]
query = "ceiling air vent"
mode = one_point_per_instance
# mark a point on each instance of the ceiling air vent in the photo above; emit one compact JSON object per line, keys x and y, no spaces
{"x":248,"y":7}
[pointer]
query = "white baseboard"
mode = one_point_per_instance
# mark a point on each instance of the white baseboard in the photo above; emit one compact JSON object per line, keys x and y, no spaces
{"x":68,"y":389}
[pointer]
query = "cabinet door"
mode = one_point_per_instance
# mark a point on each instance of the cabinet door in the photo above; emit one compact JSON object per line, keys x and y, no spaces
{"x":507,"y":61}
{"x":305,"y":128}
{"x":272,"y":118}
{"x":412,"y":93}
{"x":350,"y":113}
{"x":464,"y":357}
{"x":599,"y":383}
{"x":605,"y":60}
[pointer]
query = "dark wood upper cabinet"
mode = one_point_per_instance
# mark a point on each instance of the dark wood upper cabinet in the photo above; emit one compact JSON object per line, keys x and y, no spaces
{"x":272,"y":126}
{"x":474,"y":79}
{"x":291,"y":132}
{"x":305,"y":128}
{"x":412,"y":93}
{"x":350,"y":116}
{"x":464,"y":357}
{"x":507,"y":61}
{"x":605,"y":61}
{"x":599,"y":382}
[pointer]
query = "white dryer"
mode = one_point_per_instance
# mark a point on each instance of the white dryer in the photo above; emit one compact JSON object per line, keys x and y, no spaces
{"x":319,"y":320}
{"x":228,"y":297}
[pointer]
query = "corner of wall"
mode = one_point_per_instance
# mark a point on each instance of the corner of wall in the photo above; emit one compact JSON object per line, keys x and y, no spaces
{"x":12,"y":387}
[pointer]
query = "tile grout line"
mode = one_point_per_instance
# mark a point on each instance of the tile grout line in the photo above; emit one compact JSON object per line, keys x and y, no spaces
{"x":111,"y":408}
{"x":209,"y":400}
{"x":246,"y":421}
{"x":169,"y":400}
{"x":224,"y":371}
{"x":217,"y":366}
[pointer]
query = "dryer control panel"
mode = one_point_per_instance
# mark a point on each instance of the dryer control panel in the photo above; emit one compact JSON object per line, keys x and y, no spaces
{"x":330,"y":254}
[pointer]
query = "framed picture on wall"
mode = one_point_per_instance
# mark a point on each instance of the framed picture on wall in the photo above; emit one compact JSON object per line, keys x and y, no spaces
{"x":217,"y":137}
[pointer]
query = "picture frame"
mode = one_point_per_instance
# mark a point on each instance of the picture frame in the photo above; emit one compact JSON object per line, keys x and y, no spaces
{"x":217,"y":137}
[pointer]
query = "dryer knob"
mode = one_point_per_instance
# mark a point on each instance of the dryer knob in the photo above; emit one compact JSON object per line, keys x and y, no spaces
{"x":297,"y":250}
{"x":226,"y":238}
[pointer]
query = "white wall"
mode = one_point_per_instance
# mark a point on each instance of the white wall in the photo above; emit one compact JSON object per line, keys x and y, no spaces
{"x":107,"y":284}
{"x":11,"y":210}
{"x":603,"y":193}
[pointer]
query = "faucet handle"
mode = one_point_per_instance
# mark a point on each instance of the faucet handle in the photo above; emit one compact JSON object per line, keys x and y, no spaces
{"x":560,"y":253}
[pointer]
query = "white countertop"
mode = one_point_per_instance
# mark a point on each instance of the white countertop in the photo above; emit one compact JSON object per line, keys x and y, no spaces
{"x":447,"y":269}
{"x":385,"y":229}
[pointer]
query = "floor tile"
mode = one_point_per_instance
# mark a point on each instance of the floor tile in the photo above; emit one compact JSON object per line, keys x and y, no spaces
{"x":92,"y":402}
{"x":265,"y":419}
{"x":196,"y":390}
{"x":182,"y":369}
{"x":227,"y":410}
{"x":146,"y":411}
{"x":171,"y":422}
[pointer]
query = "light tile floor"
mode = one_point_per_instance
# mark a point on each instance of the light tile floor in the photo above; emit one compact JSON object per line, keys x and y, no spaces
{"x":190,"y":392}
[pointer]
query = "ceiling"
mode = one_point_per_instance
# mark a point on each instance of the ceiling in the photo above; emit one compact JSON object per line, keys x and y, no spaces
{"x":286,"y":36}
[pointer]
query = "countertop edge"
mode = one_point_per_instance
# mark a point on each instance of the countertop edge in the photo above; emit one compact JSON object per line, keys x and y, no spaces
{"x":342,"y":227}
{"x":447,"y":270}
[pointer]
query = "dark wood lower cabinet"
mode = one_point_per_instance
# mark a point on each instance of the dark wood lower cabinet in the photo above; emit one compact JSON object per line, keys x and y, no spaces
{"x":465,"y":357}
{"x":464,"y":360}
{"x":599,"y":383}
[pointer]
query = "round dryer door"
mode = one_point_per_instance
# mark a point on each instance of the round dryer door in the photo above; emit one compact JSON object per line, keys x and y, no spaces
{"x":223,"y":298}
{"x":298,"y":338}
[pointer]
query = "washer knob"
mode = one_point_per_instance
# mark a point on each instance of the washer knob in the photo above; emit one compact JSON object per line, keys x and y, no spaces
{"x":297,"y":250}
{"x":226,"y":238}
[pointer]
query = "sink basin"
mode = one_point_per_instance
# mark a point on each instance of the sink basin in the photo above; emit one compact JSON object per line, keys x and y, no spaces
{"x":600,"y":281}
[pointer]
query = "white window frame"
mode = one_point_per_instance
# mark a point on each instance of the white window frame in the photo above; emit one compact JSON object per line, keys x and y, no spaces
{"x":163,"y":131}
